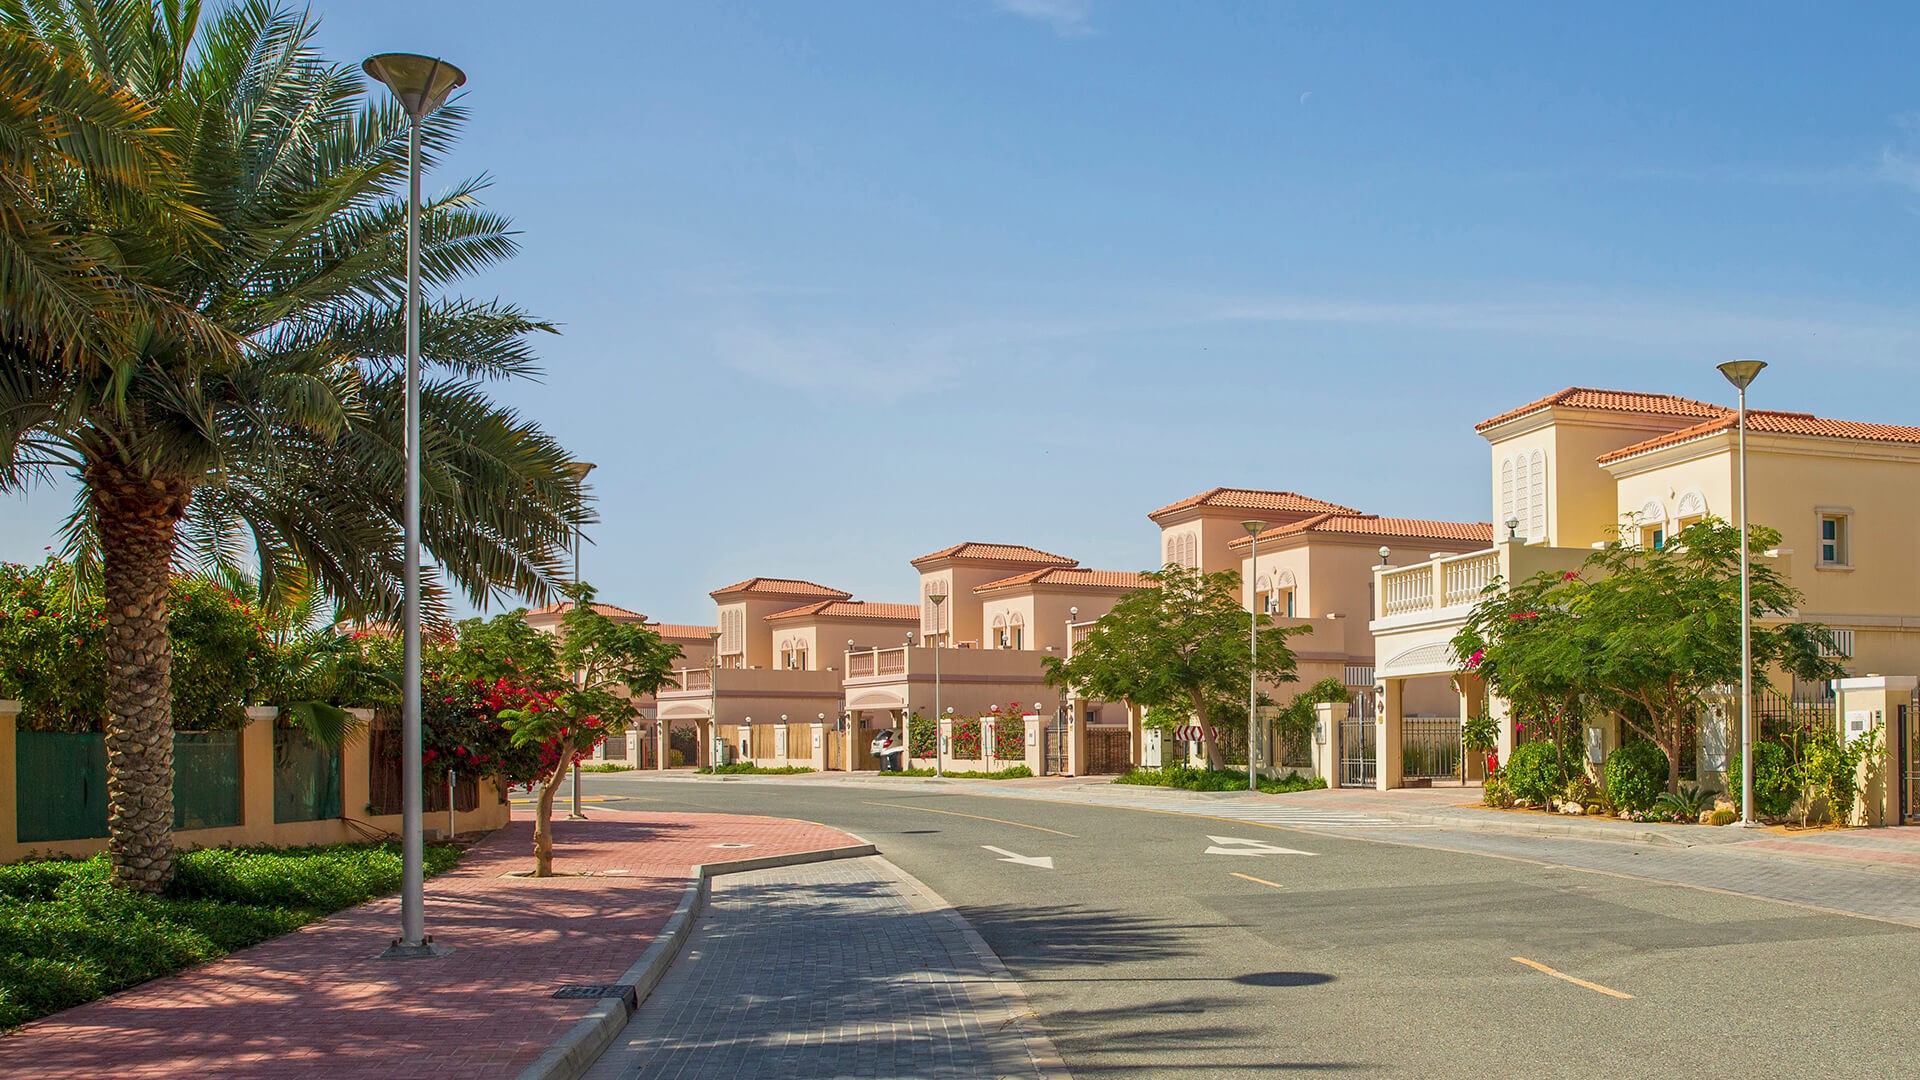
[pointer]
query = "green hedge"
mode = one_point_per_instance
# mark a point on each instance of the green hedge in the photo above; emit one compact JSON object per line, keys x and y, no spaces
{"x":1188,"y":778}
{"x":68,"y":937}
{"x":1636,"y":775}
{"x":1535,"y":772}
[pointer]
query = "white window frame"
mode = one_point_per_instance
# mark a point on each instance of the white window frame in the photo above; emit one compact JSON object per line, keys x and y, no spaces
{"x":1843,"y":540}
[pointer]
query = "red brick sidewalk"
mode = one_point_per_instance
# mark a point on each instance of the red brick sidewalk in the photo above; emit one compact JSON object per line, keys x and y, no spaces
{"x":318,"y":1002}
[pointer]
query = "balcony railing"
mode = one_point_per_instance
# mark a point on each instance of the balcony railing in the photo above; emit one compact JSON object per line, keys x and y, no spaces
{"x":692,"y":679}
{"x":1452,"y":581}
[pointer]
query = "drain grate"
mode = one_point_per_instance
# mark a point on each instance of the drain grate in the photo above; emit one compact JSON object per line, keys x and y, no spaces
{"x":624,"y":991}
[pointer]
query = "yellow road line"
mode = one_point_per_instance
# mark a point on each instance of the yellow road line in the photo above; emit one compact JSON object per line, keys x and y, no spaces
{"x":1595,"y":987}
{"x":1262,"y":881}
{"x":976,"y":817}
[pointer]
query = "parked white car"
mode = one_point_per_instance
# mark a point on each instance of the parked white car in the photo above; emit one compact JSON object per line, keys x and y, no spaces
{"x":886,"y":743}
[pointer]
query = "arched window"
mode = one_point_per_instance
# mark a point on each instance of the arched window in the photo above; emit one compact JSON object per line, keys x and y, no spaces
{"x":1016,"y":631}
{"x":931,"y":620}
{"x":1690,"y":510}
{"x":1650,"y":524}
{"x":1506,"y":491}
{"x":1523,"y":494}
{"x":1537,"y":495}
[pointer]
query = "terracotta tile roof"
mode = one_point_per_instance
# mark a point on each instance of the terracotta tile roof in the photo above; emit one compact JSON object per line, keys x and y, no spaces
{"x":782,"y":587}
{"x":851,"y":609}
{"x":1014,"y":553}
{"x":1069,"y":577}
{"x":608,"y":610}
{"x":1374,"y":525}
{"x":681,"y":631}
{"x":1580,"y":397}
{"x":1248,"y":499}
{"x":1770,"y":422}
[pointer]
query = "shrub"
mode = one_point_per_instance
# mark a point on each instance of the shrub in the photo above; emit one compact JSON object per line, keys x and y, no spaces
{"x":1188,"y":778}
{"x":966,"y":737}
{"x":1774,"y":784}
{"x":923,"y":736}
{"x":1685,"y":805}
{"x":68,"y":937}
{"x":748,"y":768}
{"x":1723,"y":817}
{"x":1636,"y":775}
{"x":1010,"y":737}
{"x":1495,"y":792}
{"x":1535,"y":772}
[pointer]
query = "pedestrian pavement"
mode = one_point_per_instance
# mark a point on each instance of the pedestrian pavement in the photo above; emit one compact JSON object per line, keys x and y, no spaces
{"x":319,"y":1001}
{"x":842,"y":969}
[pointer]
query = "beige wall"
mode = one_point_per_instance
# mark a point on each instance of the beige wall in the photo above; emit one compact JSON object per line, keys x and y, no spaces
{"x":1791,"y":482}
{"x":1580,"y":496}
{"x":825,"y":637}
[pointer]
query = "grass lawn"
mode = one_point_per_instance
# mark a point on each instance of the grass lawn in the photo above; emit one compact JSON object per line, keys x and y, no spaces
{"x":1012,"y":772}
{"x":1191,"y":779}
{"x":66,"y":937}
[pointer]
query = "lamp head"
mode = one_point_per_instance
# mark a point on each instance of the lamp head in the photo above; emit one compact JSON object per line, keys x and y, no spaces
{"x":1513,"y":527}
{"x":1385,"y":551}
{"x":1074,"y":611}
{"x":1742,"y":372}
{"x":937,"y":598}
{"x":579,"y":469}
{"x":1254,"y":528}
{"x":421,"y":83}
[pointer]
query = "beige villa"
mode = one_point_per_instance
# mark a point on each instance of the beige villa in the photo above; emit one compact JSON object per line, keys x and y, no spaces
{"x":1572,"y":470}
{"x":1314,"y":568}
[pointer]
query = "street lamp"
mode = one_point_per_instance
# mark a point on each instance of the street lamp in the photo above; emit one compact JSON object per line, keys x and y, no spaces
{"x":421,"y":83}
{"x":578,"y":470}
{"x":1741,"y":374}
{"x":1254,"y":529}
{"x":939,"y":751}
{"x":713,"y":706}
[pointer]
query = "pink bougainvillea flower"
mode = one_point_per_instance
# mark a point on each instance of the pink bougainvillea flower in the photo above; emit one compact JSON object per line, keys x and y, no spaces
{"x":1570,"y":575}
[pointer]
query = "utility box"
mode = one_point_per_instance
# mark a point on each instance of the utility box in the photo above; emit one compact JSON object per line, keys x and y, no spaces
{"x":722,"y":752}
{"x":1150,"y":753}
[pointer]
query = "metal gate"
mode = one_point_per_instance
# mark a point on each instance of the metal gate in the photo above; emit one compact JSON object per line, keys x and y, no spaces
{"x":1430,"y":748}
{"x":1109,"y":751}
{"x":1054,"y":743}
{"x":1909,"y":743}
{"x":1355,"y":751}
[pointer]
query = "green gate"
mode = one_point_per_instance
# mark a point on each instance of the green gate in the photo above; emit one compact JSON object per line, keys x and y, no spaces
{"x":60,"y":785}
{"x":206,"y":779}
{"x":306,"y":778}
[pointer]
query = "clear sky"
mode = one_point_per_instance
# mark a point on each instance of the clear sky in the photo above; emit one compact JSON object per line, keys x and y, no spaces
{"x":843,"y":283}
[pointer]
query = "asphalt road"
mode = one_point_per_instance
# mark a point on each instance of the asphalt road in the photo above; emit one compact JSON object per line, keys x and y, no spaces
{"x":1145,"y":955}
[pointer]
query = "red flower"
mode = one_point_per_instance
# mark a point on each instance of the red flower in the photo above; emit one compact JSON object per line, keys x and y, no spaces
{"x":1474,"y":660}
{"x":1570,"y":575}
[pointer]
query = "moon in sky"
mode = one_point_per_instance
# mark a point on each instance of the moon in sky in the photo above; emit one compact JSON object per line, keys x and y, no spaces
{"x":1305,"y":96}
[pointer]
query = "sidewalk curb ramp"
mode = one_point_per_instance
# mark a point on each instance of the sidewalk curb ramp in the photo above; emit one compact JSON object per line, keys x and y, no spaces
{"x":577,"y":1050}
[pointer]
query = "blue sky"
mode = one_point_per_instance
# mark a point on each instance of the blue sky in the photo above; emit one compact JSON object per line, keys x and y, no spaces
{"x":843,"y":283}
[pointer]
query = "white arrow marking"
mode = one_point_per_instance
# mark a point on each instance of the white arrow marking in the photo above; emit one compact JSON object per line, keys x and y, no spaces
{"x":1250,"y":847}
{"x":1044,"y":862}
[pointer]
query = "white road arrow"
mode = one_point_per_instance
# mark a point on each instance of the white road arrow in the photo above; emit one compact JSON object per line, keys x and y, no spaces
{"x":1249,"y":847}
{"x":1044,"y":862}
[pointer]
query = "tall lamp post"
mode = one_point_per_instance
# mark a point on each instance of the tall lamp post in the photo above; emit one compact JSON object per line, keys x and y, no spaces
{"x":1254,"y":529}
{"x":939,"y":750}
{"x":713,"y":706}
{"x":1741,"y":374}
{"x":421,"y":84}
{"x":578,"y":470}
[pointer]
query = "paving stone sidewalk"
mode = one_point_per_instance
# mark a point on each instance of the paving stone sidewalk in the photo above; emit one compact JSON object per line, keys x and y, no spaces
{"x":829,"y":970}
{"x":317,"y":1002}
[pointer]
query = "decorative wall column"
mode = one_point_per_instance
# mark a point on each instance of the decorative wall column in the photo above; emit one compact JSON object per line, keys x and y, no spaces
{"x":1860,"y":706}
{"x":1386,"y":731}
{"x":1328,"y":716}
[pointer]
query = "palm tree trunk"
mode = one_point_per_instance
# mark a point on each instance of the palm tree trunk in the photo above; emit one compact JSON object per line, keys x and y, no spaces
{"x":136,"y":519}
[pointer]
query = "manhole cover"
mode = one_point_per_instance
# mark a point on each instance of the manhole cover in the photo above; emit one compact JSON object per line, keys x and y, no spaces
{"x":599,"y":990}
{"x":732,"y":845}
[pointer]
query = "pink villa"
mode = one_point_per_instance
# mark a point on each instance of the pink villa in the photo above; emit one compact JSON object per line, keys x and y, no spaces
{"x":1002,"y":609}
{"x":1316,"y":564}
{"x":771,"y":691}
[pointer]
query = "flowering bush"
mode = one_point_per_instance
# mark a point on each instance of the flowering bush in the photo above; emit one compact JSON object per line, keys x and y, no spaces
{"x":53,"y":650}
{"x":1010,"y":737}
{"x":923,"y":736}
{"x":966,"y":737}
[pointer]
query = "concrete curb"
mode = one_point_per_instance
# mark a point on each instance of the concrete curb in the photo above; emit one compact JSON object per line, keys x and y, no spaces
{"x":1557,"y":830}
{"x":1039,"y":1047}
{"x":575,"y":1052}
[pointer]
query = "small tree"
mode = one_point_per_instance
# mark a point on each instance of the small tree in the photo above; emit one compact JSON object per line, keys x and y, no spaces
{"x":1180,"y":645}
{"x":1648,"y":634}
{"x":608,"y":662}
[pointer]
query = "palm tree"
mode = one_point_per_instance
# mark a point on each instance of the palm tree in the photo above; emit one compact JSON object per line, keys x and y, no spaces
{"x":250,"y":414}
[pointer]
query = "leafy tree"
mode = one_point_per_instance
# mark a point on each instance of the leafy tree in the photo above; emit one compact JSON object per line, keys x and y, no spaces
{"x":243,"y":405}
{"x":1179,"y":646}
{"x":1295,"y":722}
{"x":1647,"y":634}
{"x":609,"y":662}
